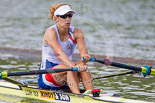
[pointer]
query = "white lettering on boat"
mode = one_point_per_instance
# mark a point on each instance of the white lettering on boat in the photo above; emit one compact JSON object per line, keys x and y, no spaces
{"x":62,"y":97}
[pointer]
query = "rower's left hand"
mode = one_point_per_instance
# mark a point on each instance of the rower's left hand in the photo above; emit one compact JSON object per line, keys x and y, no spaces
{"x":85,"y":58}
{"x":81,"y":67}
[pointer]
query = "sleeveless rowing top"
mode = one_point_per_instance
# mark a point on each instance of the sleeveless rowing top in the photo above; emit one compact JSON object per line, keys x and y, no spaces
{"x":67,"y":47}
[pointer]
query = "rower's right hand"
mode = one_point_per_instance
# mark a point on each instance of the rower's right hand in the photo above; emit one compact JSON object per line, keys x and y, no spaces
{"x":85,"y":58}
{"x":81,"y":67}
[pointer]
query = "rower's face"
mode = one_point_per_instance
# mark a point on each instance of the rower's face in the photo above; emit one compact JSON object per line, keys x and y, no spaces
{"x":65,"y":20}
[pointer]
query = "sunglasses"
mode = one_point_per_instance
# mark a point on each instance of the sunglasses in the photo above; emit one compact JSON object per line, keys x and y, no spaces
{"x":66,"y":15}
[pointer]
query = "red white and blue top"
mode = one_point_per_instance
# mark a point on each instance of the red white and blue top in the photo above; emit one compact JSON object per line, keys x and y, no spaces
{"x":67,"y":47}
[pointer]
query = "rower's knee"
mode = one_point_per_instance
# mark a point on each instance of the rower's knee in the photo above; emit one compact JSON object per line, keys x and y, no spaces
{"x":73,"y":72}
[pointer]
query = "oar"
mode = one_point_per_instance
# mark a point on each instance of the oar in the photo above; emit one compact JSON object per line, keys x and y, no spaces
{"x":94,"y":78}
{"x":113,"y":75}
{"x":145,"y":70}
{"x":33,"y":72}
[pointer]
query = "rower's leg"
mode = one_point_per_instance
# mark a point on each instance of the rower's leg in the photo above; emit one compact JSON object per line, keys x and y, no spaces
{"x":87,"y":80}
{"x":70,"y":76}
{"x":73,"y":81}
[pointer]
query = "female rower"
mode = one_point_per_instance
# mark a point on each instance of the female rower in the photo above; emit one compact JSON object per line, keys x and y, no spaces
{"x":58,"y":47}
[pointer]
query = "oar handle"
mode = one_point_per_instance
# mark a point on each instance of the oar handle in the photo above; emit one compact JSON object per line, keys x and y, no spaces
{"x":104,"y":61}
{"x":92,"y":59}
{"x":75,"y":68}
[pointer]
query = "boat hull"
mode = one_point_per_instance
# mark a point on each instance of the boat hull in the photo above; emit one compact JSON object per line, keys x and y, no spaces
{"x":56,"y":96}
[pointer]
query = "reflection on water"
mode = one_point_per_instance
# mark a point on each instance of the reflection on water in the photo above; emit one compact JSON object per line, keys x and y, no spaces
{"x":128,"y":86}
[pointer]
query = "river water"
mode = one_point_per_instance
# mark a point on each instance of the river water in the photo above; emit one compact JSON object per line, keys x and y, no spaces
{"x":113,"y":28}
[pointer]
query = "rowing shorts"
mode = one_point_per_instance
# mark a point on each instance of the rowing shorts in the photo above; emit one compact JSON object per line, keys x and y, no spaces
{"x":46,"y":81}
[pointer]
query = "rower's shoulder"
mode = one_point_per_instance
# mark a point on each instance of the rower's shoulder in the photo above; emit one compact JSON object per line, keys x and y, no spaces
{"x":50,"y":32}
{"x":77,"y":31}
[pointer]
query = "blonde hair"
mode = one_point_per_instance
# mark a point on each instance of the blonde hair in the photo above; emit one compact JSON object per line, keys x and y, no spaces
{"x":54,"y":7}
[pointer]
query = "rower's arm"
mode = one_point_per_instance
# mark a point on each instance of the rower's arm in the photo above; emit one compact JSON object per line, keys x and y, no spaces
{"x":79,"y":37}
{"x":51,"y":38}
